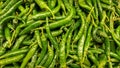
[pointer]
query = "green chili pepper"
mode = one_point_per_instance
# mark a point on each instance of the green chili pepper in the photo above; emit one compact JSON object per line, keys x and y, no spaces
{"x":93,"y":59}
{"x":7,"y":5}
{"x":50,"y":57}
{"x":87,"y":43}
{"x":44,"y":49}
{"x":82,"y":26}
{"x":47,"y":13}
{"x":28,"y":56}
{"x":10,"y":60}
{"x":52,"y":39}
{"x":112,"y":54}
{"x":10,"y":10}
{"x":83,"y":4}
{"x":31,"y":26}
{"x":18,"y":42}
{"x":43,"y":60}
{"x":23,"y":12}
{"x":63,"y":21}
{"x":33,"y":60}
{"x":62,"y":54}
{"x":10,"y":17}
{"x":8,"y":35}
{"x":80,"y":47}
{"x":12,"y":53}
{"x":4,"y":4}
{"x":37,"y":34}
{"x":42,"y":5}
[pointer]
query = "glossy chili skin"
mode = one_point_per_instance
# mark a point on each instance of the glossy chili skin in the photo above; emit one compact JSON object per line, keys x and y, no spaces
{"x":10,"y":10}
{"x":59,"y":33}
{"x":28,"y":56}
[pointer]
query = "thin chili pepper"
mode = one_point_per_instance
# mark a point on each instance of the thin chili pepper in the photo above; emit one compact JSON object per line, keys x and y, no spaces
{"x":33,"y":60}
{"x":18,"y":42}
{"x":47,"y":13}
{"x":62,"y":54}
{"x":43,"y":61}
{"x":31,"y":26}
{"x":10,"y":10}
{"x":52,"y":65}
{"x":29,"y":38}
{"x":8,"y":5}
{"x":112,"y":30}
{"x":63,"y":7}
{"x":42,"y":5}
{"x":87,"y":43}
{"x":12,"y":59}
{"x":8,"y":35}
{"x":105,"y":6}
{"x":15,"y":33}
{"x":69,"y":39}
{"x":28,"y":56}
{"x":24,"y":47}
{"x":50,"y":57}
{"x":107,"y":50}
{"x":74,"y":57}
{"x":98,"y":51}
{"x":23,"y":12}
{"x":62,"y":17}
{"x":80,"y":47}
{"x":12,"y":53}
{"x":52,"y":39}
{"x":37,"y":34}
{"x":82,"y":26}
{"x":28,"y":42}
{"x":83,"y":4}
{"x":95,"y":13}
{"x":112,"y":54}
{"x":30,"y":10}
{"x":44,"y":49}
{"x":55,"y":33}
{"x":100,"y":9}
{"x":93,"y":59}
{"x":4,"y":4}
{"x":10,"y":17}
{"x":63,"y":21}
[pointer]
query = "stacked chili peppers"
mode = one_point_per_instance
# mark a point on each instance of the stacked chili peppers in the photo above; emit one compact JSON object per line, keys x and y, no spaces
{"x":59,"y":33}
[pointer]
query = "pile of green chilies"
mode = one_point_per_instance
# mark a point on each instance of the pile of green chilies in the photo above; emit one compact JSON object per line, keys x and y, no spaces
{"x":59,"y":33}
